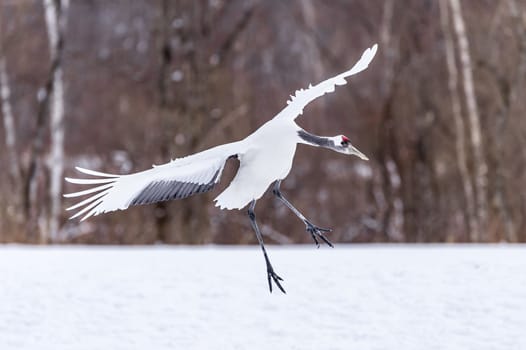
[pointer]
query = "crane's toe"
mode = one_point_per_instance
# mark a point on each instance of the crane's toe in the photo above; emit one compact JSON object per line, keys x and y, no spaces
{"x":318,"y":232}
{"x":272,"y":276}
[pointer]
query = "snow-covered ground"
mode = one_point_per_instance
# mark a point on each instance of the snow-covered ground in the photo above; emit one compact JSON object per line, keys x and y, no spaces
{"x":350,"y":297}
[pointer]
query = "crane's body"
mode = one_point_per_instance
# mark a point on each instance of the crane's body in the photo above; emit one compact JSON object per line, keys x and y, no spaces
{"x":265,"y":157}
{"x":255,"y":175}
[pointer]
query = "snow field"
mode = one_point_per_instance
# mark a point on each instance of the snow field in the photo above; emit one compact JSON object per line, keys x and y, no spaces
{"x":350,"y":297}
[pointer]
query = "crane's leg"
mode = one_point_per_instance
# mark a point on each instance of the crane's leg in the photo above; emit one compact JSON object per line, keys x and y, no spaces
{"x":315,"y":231}
{"x":271,"y":275}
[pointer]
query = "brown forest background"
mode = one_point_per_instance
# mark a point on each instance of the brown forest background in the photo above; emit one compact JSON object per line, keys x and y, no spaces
{"x":117,"y":86}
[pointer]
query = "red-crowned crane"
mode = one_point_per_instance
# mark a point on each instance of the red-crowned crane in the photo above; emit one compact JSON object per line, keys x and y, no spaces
{"x":265,"y":157}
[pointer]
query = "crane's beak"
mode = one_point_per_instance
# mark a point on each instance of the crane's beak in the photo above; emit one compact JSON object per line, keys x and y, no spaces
{"x":354,"y":150}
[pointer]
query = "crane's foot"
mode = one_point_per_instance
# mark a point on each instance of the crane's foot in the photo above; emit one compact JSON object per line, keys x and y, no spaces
{"x":318,"y":232}
{"x":272,"y":276}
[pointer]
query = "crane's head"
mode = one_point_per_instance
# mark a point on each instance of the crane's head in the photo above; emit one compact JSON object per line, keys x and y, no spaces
{"x":342,"y":144}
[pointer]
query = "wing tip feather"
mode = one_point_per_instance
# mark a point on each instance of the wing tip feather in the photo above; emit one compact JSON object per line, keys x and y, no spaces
{"x":94,"y":172}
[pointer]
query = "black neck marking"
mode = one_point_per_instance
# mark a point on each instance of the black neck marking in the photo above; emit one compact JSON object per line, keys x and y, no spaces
{"x":315,"y":140}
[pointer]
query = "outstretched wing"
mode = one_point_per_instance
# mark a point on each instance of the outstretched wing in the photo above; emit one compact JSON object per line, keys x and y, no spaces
{"x":177,"y":179}
{"x":303,"y":97}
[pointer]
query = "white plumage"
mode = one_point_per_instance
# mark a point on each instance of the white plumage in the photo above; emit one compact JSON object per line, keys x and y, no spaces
{"x":265,"y":156}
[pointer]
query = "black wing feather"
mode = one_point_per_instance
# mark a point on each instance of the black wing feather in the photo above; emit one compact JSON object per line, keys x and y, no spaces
{"x":160,"y":191}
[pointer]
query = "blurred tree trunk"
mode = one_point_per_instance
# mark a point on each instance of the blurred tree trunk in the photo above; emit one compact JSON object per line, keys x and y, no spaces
{"x":193,"y":221}
{"x":14,"y":187}
{"x":165,"y":54}
{"x":519,"y":22}
{"x":56,"y":16}
{"x":460,"y":142}
{"x":392,"y":217}
{"x":32,"y":198}
{"x":480,"y":165}
{"x":37,"y":213}
{"x":9,"y":127}
{"x":184,"y":112}
{"x":508,"y":88}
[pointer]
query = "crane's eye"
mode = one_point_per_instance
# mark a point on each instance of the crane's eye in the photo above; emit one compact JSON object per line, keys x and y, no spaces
{"x":345,"y":141}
